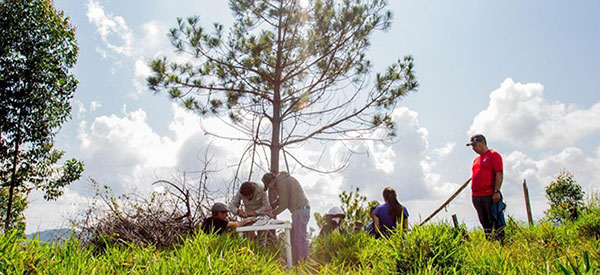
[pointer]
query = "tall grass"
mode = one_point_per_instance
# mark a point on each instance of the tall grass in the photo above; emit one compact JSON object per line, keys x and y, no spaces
{"x":202,"y":254}
{"x":571,"y":248}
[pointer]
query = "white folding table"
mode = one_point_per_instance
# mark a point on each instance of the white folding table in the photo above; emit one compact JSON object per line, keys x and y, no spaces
{"x":287,"y":226}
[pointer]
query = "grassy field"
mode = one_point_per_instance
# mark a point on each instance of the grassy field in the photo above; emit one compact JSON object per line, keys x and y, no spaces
{"x":571,"y":248}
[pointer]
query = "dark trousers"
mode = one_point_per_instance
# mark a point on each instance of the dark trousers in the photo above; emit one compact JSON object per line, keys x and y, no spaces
{"x":483,"y":205}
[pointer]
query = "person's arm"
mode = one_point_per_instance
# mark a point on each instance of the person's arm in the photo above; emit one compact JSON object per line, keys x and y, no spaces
{"x":273,"y":198}
{"x":240,"y":223}
{"x":499,"y":178}
{"x":235,"y":204}
{"x":264,"y":202}
{"x":284,"y":196}
{"x":376,"y":225}
{"x":497,"y":185}
{"x":498,"y":168}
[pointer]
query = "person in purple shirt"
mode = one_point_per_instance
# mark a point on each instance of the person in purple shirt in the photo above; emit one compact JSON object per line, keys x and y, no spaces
{"x":387,"y":215}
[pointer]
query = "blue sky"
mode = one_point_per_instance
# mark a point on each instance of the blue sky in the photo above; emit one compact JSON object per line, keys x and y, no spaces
{"x":524,"y":74}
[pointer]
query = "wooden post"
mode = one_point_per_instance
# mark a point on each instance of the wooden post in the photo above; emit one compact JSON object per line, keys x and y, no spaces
{"x":447,"y":201}
{"x":455,"y":220}
{"x":527,"y":204}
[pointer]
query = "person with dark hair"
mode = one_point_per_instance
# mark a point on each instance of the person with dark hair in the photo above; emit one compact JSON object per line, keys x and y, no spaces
{"x":254,"y":199}
{"x":285,"y":192}
{"x":387,"y":215}
{"x":370,"y":226}
{"x":218,"y":223}
{"x":486,"y":182}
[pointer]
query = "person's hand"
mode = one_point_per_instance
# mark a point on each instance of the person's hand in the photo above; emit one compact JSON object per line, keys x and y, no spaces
{"x":270,"y":214}
{"x":496,"y":197}
{"x":251,"y":213}
{"x":241,"y":213}
{"x":246,"y":221}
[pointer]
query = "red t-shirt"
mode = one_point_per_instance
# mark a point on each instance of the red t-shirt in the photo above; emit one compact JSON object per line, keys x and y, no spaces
{"x":485,"y":167}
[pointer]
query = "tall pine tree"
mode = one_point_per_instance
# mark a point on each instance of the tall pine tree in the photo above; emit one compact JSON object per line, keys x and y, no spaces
{"x":287,"y":72}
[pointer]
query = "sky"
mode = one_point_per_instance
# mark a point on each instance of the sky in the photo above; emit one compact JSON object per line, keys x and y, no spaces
{"x":524,"y":74}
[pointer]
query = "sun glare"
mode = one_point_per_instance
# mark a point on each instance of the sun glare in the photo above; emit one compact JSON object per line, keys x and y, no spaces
{"x":303,"y":3}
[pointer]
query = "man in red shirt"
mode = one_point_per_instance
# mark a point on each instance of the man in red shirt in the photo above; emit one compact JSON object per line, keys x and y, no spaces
{"x":485,"y":185}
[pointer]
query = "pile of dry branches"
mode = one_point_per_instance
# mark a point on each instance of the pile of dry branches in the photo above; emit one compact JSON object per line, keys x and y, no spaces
{"x":161,"y":220}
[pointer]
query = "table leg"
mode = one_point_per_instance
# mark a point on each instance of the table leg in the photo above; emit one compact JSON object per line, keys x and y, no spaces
{"x":288,"y":247}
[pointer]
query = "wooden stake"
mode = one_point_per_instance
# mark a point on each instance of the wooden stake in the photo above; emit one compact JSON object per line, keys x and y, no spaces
{"x":455,"y":220}
{"x":447,"y":201}
{"x":527,"y":204}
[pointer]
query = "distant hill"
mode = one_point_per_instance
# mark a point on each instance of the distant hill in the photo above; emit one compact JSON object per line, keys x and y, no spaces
{"x":51,"y":235}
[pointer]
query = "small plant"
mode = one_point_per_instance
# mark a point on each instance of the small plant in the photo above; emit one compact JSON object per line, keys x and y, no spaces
{"x":565,"y":197}
{"x":356,"y":208}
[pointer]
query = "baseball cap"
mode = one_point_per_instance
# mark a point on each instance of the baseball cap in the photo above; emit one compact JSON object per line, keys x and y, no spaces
{"x":476,"y":138}
{"x":219,"y":207}
{"x":268,"y":177}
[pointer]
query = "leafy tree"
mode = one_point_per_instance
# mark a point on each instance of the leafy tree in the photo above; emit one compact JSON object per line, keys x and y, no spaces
{"x":286,"y":73}
{"x":565,"y":197}
{"x":37,"y":50}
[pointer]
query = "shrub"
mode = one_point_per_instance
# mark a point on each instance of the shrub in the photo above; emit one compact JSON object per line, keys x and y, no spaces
{"x":588,"y":224}
{"x":565,"y":197}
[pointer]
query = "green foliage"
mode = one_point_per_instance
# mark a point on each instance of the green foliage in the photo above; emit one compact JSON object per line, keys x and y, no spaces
{"x":37,"y":51}
{"x":565,"y":197}
{"x":574,"y":265}
{"x":17,"y":214}
{"x":588,"y":223}
{"x":302,"y":68}
{"x":430,"y":248}
{"x":207,"y":254}
{"x":356,"y":210}
{"x":351,"y":253}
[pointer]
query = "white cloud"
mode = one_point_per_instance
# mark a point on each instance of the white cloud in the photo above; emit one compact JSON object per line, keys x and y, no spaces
{"x":119,"y":39}
{"x":518,"y":113}
{"x":94,"y":105}
{"x":125,"y":151}
{"x":141,"y":69}
{"x":42,"y":214}
{"x":154,"y":37}
{"x":112,"y":29}
{"x":80,"y":108}
{"x":444,"y":151}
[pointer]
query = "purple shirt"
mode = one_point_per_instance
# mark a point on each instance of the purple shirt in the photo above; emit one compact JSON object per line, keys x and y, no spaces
{"x":386,"y":222}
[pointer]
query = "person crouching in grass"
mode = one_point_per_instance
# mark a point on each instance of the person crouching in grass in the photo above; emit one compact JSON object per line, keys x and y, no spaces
{"x":218,"y":223}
